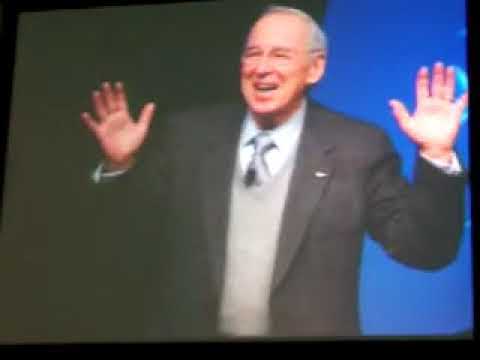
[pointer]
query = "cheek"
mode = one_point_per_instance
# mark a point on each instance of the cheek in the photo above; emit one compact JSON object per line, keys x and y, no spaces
{"x":246,"y":71}
{"x":245,"y":87}
{"x":245,"y":81}
{"x":296,"y":82}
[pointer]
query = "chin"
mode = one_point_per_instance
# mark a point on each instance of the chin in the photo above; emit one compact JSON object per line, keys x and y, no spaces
{"x":266,"y":117}
{"x":264,"y":109}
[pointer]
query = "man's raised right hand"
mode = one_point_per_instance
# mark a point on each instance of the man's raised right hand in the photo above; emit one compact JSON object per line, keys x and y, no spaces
{"x":117,"y":133}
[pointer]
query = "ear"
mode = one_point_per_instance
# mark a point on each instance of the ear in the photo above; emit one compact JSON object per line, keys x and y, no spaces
{"x":317,"y":68}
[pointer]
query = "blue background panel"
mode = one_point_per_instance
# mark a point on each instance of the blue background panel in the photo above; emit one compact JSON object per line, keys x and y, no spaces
{"x":375,"y":50}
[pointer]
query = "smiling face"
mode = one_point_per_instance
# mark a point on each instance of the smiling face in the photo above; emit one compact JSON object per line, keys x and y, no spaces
{"x":277,"y":67}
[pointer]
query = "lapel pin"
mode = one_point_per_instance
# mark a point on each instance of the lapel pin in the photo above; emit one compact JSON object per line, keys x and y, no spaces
{"x":320,"y":174}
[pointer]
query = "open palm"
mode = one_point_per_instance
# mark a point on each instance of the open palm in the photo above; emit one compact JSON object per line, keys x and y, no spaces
{"x":117,"y":133}
{"x":435,"y":122}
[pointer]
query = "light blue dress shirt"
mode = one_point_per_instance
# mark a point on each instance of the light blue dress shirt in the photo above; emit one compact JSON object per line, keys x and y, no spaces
{"x":286,"y":138}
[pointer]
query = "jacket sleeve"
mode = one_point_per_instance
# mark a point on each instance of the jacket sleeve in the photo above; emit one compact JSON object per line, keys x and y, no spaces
{"x":418,"y":224}
{"x":133,"y":227}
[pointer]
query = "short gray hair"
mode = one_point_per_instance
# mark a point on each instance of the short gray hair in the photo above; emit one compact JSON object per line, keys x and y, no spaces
{"x":318,"y":39}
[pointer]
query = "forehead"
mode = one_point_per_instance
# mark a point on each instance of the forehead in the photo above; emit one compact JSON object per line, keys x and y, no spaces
{"x":279,"y":30}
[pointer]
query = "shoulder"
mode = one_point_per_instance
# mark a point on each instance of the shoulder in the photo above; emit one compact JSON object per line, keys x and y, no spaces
{"x":196,"y":122}
{"x":206,"y":117}
{"x":192,"y":129}
{"x":346,"y":131}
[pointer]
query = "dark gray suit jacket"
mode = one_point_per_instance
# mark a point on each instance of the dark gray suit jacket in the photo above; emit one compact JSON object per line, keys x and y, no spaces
{"x":178,"y":198}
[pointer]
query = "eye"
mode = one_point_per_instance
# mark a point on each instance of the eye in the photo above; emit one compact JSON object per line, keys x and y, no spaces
{"x":251,"y":54}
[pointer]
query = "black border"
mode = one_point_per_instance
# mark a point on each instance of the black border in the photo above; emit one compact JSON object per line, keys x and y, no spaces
{"x":10,"y":10}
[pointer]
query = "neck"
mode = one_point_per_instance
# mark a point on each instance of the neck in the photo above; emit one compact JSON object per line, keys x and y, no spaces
{"x":266,"y":122}
{"x":269,"y":122}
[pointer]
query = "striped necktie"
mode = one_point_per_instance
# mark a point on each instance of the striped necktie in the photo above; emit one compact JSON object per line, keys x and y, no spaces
{"x":257,"y":171}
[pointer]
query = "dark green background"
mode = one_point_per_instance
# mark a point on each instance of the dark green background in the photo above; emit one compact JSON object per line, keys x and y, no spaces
{"x":62,"y":278}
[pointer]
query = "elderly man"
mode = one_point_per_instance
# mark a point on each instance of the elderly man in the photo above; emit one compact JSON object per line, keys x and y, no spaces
{"x":258,"y":213}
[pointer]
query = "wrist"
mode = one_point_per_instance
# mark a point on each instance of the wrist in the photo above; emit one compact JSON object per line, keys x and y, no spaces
{"x":444,"y":155}
{"x":112,"y":166}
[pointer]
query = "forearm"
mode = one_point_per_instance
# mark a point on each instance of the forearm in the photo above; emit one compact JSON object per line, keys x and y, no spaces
{"x":419,"y":224}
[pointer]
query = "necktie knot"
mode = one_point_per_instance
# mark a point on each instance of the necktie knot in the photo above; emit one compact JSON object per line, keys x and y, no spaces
{"x":262,"y":143}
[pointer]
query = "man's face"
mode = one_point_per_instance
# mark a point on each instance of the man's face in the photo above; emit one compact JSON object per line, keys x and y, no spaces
{"x":277,"y":67}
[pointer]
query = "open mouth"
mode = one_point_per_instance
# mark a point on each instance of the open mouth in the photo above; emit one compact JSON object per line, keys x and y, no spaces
{"x":265,"y":87}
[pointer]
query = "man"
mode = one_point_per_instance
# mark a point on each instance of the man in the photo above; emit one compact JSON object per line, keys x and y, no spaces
{"x":259,"y":213}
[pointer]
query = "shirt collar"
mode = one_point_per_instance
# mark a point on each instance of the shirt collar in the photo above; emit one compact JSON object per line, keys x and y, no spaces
{"x":282,"y":135}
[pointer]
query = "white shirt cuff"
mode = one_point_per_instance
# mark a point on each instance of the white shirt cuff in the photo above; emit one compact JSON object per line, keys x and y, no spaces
{"x":99,"y":175}
{"x":452,"y":168}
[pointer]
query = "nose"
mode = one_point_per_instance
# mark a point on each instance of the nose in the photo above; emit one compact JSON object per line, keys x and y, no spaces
{"x":264,"y":65}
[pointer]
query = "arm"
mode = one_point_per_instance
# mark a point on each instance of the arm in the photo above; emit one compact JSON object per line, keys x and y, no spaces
{"x":421,"y":224}
{"x":134,"y":212}
{"x":418,"y":224}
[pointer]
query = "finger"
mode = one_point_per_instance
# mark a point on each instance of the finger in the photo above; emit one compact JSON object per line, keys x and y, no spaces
{"x":449,"y":89}
{"x":120,"y":97}
{"x":438,"y":80}
{"x":422,"y":85}
{"x":400,"y":113}
{"x":461,"y":104}
{"x":89,"y":122}
{"x":464,"y":100}
{"x":99,"y":105}
{"x":146,"y":115}
{"x":108,"y":97}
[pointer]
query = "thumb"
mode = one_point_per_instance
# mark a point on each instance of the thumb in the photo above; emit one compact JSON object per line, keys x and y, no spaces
{"x":461,"y":104}
{"x":400,"y":113}
{"x":90,"y":123}
{"x":146,"y":115}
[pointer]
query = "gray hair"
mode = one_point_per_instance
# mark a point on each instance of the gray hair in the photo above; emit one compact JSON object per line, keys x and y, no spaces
{"x":318,"y":39}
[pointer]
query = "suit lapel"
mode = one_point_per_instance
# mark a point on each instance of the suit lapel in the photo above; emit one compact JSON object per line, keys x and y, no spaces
{"x":217,"y":171}
{"x":312,"y":172}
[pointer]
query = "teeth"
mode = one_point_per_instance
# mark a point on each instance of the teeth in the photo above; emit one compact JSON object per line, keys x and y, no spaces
{"x":265,"y":87}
